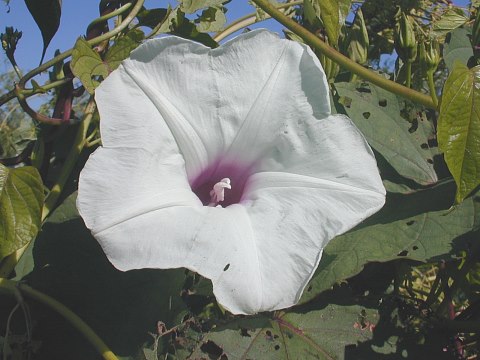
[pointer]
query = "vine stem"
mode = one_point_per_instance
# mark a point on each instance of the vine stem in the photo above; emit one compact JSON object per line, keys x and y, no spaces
{"x":128,"y":19}
{"x":408,"y":80}
{"x":12,"y":287}
{"x":247,"y":20}
{"x":431,"y":87}
{"x":8,"y":264}
{"x":345,"y":62}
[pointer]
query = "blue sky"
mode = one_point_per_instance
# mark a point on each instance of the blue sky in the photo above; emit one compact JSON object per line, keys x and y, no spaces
{"x":76,"y":15}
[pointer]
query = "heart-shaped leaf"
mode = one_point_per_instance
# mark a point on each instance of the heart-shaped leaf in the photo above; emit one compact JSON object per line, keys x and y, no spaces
{"x":459,"y":127}
{"x":21,"y":201}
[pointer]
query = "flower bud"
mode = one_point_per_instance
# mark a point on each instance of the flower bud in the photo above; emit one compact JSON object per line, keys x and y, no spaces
{"x":405,"y":41}
{"x":430,"y":54}
{"x":359,"y":42}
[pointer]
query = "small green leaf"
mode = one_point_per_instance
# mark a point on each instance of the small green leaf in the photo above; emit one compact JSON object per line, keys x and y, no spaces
{"x":17,"y":131}
{"x":21,"y":201}
{"x":46,"y":14}
{"x":212,"y":19}
{"x":87,"y":65}
{"x":190,"y":6}
{"x":457,"y":47}
{"x":377,"y":113}
{"x":122,"y":48}
{"x":328,"y":11}
{"x":417,"y":227}
{"x":459,"y":127}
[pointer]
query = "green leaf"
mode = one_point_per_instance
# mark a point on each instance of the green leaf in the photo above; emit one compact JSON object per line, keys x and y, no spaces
{"x":122,"y":48}
{"x":190,"y":6}
{"x":121,"y":307}
{"x":328,"y":11}
{"x":317,"y":334}
{"x":151,"y":17}
{"x":417,"y":227}
{"x":46,"y":14}
{"x":87,"y":65}
{"x":17,"y":131}
{"x":451,"y":19}
{"x":212,"y":19}
{"x":377,"y":113}
{"x":457,"y":47}
{"x":21,"y":201}
{"x":459,"y":127}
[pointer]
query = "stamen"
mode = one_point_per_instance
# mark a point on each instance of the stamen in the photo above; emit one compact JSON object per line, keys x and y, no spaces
{"x":218,"y":192}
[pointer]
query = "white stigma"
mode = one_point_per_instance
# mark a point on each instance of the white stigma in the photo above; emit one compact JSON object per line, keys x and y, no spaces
{"x":218,"y":193}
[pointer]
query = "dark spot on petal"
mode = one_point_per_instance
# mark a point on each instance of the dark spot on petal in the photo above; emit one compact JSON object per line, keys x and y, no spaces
{"x":411,"y":222}
{"x":226,"y":267}
{"x":415,"y":247}
{"x":277,"y":347}
{"x":424,"y":146}
{"x":244,"y":332}
{"x":309,"y":288}
{"x":382,"y":103}
{"x":366,"y":115}
{"x":403,"y":253}
{"x":430,"y":161}
{"x":212,"y":349}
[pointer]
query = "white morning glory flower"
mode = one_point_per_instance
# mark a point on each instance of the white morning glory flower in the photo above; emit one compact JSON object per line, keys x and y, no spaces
{"x":227,"y":162}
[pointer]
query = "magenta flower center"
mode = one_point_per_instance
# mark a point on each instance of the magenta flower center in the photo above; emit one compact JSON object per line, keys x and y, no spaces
{"x":204,"y":183}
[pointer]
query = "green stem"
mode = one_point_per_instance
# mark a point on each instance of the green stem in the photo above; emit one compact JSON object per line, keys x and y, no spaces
{"x":128,"y":19}
{"x":108,"y":16}
{"x":342,"y":60}
{"x":431,"y":87}
{"x":408,"y":80}
{"x":12,"y":287}
{"x":247,"y":20}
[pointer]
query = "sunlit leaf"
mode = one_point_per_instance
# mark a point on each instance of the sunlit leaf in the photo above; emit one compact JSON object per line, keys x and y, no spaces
{"x":17,"y":131}
{"x":21,"y":201}
{"x":122,"y":48}
{"x":212,"y":19}
{"x":417,"y":226}
{"x":46,"y":14}
{"x":87,"y":65}
{"x":459,"y":127}
{"x":377,"y":113}
{"x":457,"y":47}
{"x":328,"y":11}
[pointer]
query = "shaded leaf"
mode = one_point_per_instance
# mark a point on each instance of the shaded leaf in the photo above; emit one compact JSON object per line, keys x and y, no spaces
{"x":377,"y":113}
{"x":457,"y":47}
{"x":459,"y":127}
{"x":46,"y":14}
{"x":121,"y":307}
{"x":87,"y":65}
{"x":212,"y":19}
{"x":451,"y":19}
{"x":17,"y":131}
{"x":21,"y":201}
{"x":418,"y":227}
{"x":151,"y":17}
{"x":190,"y":6}
{"x":317,"y":334}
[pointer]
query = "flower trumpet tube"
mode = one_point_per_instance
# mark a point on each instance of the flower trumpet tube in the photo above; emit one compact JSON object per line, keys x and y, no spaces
{"x":227,"y":162}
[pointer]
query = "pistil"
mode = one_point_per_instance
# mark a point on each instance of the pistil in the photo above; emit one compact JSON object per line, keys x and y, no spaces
{"x":217,"y":194}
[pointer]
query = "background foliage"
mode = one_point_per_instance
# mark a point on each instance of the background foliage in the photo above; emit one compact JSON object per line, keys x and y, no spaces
{"x":404,"y":283}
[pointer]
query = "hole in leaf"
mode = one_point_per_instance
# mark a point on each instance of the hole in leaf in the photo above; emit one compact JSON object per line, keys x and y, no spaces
{"x":275,"y":336}
{"x":415,"y":247}
{"x":244,"y":332}
{"x":269,"y":333}
{"x":411,"y":222}
{"x":366,"y":115}
{"x":403,"y":253}
{"x":424,"y":146}
{"x":382,"y":103}
{"x":226,"y":267}
{"x":432,"y":142}
{"x":414,"y":126}
{"x":430,"y":161}
{"x":277,"y":347}
{"x":212,"y":349}
{"x":364,"y":90}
